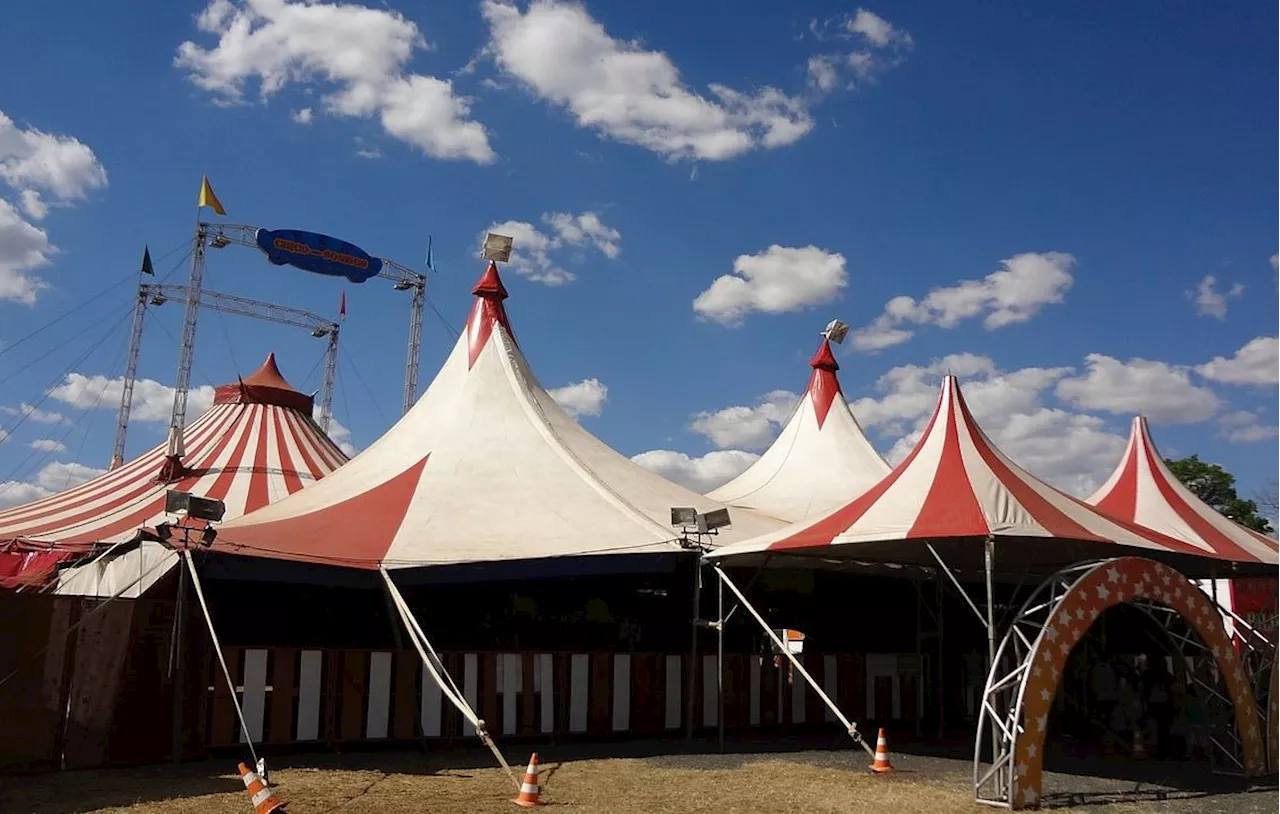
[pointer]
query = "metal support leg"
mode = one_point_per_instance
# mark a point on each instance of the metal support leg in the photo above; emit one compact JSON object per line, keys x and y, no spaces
{"x":692,"y":668}
{"x":720,"y":663}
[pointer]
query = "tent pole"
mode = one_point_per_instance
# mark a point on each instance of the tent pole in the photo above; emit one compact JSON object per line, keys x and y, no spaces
{"x":442,"y":678}
{"x":217,"y":648}
{"x":691,"y":671}
{"x":988,"y":560}
{"x":849,"y":726}
{"x":180,"y":674}
{"x":920,"y":672}
{"x":720,"y":663}
{"x":940,"y":597}
{"x":985,"y":620}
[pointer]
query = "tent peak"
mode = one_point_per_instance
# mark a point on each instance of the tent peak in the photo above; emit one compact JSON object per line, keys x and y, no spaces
{"x":266,"y":385}
{"x":490,"y":285}
{"x":824,"y":359}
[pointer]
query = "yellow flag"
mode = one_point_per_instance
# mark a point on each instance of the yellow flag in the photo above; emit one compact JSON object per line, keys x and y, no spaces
{"x":207,"y":198}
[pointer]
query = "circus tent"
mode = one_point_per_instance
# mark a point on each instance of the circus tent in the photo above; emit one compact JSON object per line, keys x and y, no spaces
{"x":953,"y":487}
{"x":820,"y":460}
{"x":1143,"y":490}
{"x":255,"y":445}
{"x":485,"y":467}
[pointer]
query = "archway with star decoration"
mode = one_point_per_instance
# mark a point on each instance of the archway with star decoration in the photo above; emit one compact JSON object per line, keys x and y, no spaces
{"x":1030,"y":661}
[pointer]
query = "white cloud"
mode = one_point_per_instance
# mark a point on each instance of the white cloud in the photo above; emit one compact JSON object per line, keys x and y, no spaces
{"x":1074,"y":451}
{"x":586,"y":397}
{"x":36,"y":164}
{"x":877,"y":46}
{"x":752,"y":428}
{"x":1209,"y":301}
{"x":1275,"y":262}
{"x":61,"y":165}
{"x":1162,"y":392}
{"x":1257,"y":362}
{"x":361,"y":52}
{"x":48,"y":445}
{"x":1016,"y":293}
{"x":533,"y":254}
{"x":777,"y":280}
{"x":1243,"y":427}
{"x":54,"y":477}
{"x":699,"y":474}
{"x":624,"y":92}
{"x":37,"y":415}
{"x":341,"y":436}
{"x":23,"y":248}
{"x":304,"y":116}
{"x":152,"y":401}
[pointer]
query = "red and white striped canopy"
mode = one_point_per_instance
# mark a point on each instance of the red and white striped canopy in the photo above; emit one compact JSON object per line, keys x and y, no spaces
{"x":820,"y":460}
{"x":255,"y":445}
{"x":485,"y":467}
{"x":955,"y":485}
{"x":1142,"y":490}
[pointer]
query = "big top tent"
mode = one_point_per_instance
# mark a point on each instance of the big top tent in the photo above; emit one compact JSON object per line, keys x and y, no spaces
{"x":485,"y":467}
{"x":955,"y":487}
{"x":256,"y":444}
{"x":819,"y":461}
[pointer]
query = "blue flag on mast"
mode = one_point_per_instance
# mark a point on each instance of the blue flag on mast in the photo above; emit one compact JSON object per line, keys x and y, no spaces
{"x":431,"y":263}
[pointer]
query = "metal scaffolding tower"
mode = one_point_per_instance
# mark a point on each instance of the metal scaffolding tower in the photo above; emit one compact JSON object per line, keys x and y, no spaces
{"x":155,"y":295}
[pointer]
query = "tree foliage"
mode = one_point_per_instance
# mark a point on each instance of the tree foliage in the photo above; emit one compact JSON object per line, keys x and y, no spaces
{"x":1217,"y":487}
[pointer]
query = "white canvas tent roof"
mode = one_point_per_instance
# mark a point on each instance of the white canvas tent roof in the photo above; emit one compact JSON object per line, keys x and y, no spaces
{"x":485,"y":467}
{"x":820,"y":460}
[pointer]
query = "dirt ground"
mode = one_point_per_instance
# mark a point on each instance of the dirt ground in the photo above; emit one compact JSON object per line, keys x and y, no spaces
{"x":659,"y":778}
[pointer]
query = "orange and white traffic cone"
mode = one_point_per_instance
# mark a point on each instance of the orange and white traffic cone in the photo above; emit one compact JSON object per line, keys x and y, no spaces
{"x":881,"y":764}
{"x":528,"y":796}
{"x":260,"y":796}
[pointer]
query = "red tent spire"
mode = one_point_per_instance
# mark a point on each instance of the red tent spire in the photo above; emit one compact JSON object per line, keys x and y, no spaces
{"x":488,"y":310}
{"x":266,"y":385}
{"x":490,"y":284}
{"x":823,"y":384}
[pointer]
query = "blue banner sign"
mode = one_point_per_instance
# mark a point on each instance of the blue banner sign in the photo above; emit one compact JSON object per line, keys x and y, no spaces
{"x":318,"y":253}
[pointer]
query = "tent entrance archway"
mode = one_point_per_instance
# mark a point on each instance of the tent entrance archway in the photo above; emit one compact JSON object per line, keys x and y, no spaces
{"x":1029,"y":664}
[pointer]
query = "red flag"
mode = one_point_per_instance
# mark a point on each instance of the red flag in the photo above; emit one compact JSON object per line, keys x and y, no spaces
{"x":342,"y":306}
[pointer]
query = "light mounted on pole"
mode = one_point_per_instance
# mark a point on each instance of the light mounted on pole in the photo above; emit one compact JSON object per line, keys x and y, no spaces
{"x":497,"y":247}
{"x":836,"y":331}
{"x":690,"y":521}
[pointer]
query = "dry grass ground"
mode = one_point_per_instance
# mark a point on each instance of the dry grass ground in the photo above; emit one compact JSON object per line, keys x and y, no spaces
{"x":804,"y":781}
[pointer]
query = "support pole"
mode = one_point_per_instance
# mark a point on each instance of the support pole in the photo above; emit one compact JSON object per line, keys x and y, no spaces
{"x":414,"y":354}
{"x":988,"y":560}
{"x":186,"y":353}
{"x":130,"y":376}
{"x":217,"y":649}
{"x":179,"y":659}
{"x":849,"y":726}
{"x":940,"y":597}
{"x":330,"y":376}
{"x":691,"y":673}
{"x":720,"y":664}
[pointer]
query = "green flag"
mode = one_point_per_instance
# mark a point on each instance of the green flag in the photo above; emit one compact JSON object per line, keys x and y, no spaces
{"x":146,"y":262}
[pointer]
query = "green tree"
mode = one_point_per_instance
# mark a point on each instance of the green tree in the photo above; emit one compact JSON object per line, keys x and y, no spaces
{"x":1217,"y":487}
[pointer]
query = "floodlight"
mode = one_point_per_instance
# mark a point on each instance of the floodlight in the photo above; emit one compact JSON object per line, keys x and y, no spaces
{"x":320,"y":333}
{"x":402,"y":285}
{"x":176,"y":502}
{"x":219,"y":242}
{"x":159,"y":299}
{"x":713,"y":520}
{"x":684,"y":516}
{"x":205,"y":508}
{"x":497,"y":247}
{"x":836,"y":331}
{"x":208,"y":536}
{"x":164,"y":531}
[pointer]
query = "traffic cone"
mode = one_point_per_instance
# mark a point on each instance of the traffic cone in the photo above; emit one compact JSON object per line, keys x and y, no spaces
{"x":881,"y":764}
{"x":260,"y":796}
{"x":528,"y":796}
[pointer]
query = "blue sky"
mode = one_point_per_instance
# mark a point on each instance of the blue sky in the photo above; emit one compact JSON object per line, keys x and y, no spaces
{"x":1102,"y":166}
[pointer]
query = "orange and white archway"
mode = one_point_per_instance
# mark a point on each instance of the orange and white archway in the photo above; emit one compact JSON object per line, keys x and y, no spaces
{"x":1031,"y":658}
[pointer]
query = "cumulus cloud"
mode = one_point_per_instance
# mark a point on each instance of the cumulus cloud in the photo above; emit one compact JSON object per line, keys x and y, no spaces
{"x":586,"y":397}
{"x":152,"y":401}
{"x":874,"y":46}
{"x":48,"y":445}
{"x":1024,"y":284}
{"x":1209,"y":301}
{"x":341,"y":436}
{"x":1162,"y":392}
{"x":743,"y":427}
{"x":32,"y":413}
{"x":360,"y":53}
{"x":38,"y":167}
{"x":1244,"y":427}
{"x":699,"y":474}
{"x":1074,"y":451}
{"x":1256,"y":363}
{"x":778,"y":280}
{"x":53,"y":477}
{"x":304,"y":116}
{"x":626,"y":93}
{"x":536,"y":254}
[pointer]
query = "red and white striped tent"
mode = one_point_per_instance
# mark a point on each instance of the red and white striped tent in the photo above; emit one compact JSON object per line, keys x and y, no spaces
{"x":1143,"y":490}
{"x":255,"y":445}
{"x":820,"y":460}
{"x":486,"y":467}
{"x":953,"y":487}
